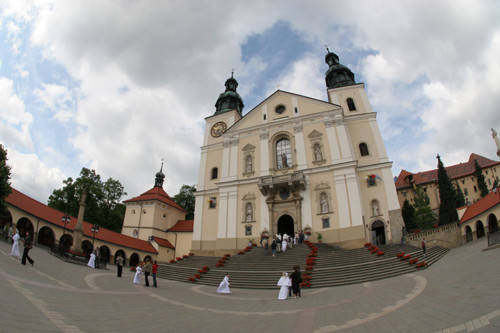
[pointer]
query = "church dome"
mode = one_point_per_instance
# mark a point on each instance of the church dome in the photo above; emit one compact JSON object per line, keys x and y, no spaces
{"x":337,"y":74}
{"x":230,"y":99}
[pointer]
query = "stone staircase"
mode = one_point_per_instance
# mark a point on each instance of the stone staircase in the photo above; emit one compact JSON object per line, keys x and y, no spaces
{"x":333,"y":267}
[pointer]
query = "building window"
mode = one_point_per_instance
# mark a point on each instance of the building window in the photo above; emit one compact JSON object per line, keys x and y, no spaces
{"x":133,"y":211}
{"x":489,"y":182}
{"x":248,"y":230}
{"x":404,"y":194}
{"x":350,"y":104}
{"x":363,"y":149}
{"x":475,"y":188}
{"x":463,"y":182}
{"x":425,"y":189}
{"x":215,"y":173}
{"x":466,"y":192}
{"x":265,"y":117}
{"x":280,"y":109}
{"x":283,"y":154}
{"x":326,"y":223}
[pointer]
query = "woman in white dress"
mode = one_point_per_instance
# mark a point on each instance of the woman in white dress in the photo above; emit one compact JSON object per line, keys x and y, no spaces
{"x":91,"y":262}
{"x":137,"y":276}
{"x":224,"y":286}
{"x":284,"y":244}
{"x":15,"y":245}
{"x":284,"y":283}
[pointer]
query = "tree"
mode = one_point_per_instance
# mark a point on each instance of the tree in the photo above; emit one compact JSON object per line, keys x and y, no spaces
{"x":408,"y":213}
{"x":481,"y":183}
{"x":424,"y":218}
{"x":102,"y":206}
{"x":5,"y":188}
{"x":186,"y":200}
{"x":460,"y":198}
{"x":447,"y":196}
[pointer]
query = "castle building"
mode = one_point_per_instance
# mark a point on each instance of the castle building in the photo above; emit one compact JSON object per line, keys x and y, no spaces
{"x":295,"y":163}
{"x":462,"y":175}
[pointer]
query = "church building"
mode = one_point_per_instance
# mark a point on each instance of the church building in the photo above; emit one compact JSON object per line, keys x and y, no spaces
{"x":295,"y":163}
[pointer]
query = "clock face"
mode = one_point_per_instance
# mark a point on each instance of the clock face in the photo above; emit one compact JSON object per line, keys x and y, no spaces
{"x":218,"y":129}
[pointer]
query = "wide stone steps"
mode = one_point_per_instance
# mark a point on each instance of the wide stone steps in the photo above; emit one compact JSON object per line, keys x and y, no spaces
{"x":333,"y":267}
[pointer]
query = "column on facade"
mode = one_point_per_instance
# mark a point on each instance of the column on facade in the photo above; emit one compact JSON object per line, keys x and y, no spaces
{"x":300,"y":147}
{"x":356,"y":208}
{"x":382,"y":153}
{"x":264,"y":214}
{"x":306,"y":211}
{"x":333,"y":143}
{"x":197,"y":227}
{"x":344,"y":142}
{"x":222,"y":218}
{"x":232,"y":218}
{"x":264,"y":154}
{"x":349,"y":205}
{"x":233,"y":160}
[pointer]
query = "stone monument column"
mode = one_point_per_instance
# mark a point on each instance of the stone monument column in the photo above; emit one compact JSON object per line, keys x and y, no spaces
{"x":78,"y":231}
{"x":497,"y":142}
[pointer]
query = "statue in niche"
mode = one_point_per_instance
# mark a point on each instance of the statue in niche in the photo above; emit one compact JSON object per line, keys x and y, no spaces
{"x":284,"y":163}
{"x":317,"y":153}
{"x":249,"y":213}
{"x":375,"y":208}
{"x":249,"y":164}
{"x":324,"y":204}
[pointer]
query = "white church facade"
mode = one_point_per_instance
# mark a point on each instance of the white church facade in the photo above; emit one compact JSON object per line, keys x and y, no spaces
{"x":295,"y":163}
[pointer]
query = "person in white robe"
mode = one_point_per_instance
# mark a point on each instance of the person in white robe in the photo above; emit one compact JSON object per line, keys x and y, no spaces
{"x":224,"y":286}
{"x":137,"y":276}
{"x":91,"y":262}
{"x":15,"y":245}
{"x":284,"y":283}
{"x":284,"y":244}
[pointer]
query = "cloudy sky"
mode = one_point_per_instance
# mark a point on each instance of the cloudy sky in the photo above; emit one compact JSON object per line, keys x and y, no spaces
{"x":117,"y":86}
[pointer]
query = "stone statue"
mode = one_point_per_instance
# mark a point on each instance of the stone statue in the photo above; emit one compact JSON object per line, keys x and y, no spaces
{"x":375,"y":208}
{"x":317,"y":152}
{"x":324,"y":204}
{"x":249,"y":213}
{"x":249,"y":164}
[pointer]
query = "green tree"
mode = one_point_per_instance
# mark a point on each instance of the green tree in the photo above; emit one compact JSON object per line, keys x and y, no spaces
{"x":185,"y":199}
{"x":408,"y":213}
{"x":102,"y":206}
{"x":481,"y":183}
{"x":447,"y":196}
{"x":460,"y":198}
{"x":5,"y":188}
{"x":424,"y":218}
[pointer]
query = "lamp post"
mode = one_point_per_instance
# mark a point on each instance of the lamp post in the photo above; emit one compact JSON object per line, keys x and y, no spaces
{"x":95,"y":230}
{"x":65,"y":219}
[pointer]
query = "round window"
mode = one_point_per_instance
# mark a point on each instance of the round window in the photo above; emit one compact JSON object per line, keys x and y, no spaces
{"x":280,"y":109}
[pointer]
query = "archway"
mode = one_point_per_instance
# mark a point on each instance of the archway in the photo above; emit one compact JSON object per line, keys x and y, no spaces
{"x":147,"y":257}
{"x":492,"y":223}
{"x":479,"y":229}
{"x":5,"y":218}
{"x":468,"y":234}
{"x":104,"y":253}
{"x":285,"y":225}
{"x":66,"y":241}
{"x":378,"y":233}
{"x":121,"y":253}
{"x":87,"y":247}
{"x":46,"y":236}
{"x":134,"y":259}
{"x":24,"y":225}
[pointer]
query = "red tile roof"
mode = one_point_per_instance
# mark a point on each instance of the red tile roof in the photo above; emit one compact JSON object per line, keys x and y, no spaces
{"x":481,"y":206}
{"x":182,"y":226}
{"x":157,"y":193}
{"x":53,"y":216}
{"x":163,"y":242}
{"x":454,"y":171}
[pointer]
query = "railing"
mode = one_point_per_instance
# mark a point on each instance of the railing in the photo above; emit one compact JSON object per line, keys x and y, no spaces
{"x":69,"y":255}
{"x":428,"y":232}
{"x":493,"y":238}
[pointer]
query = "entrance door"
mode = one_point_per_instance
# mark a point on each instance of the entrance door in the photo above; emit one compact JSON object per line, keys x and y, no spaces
{"x":378,"y":232}
{"x":285,"y":225}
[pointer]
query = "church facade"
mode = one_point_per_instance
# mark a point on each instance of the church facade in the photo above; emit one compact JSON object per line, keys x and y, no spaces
{"x":295,"y":163}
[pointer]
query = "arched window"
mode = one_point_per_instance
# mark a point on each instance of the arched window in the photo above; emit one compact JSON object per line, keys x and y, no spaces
{"x":363,"y":149}
{"x":283,"y":154}
{"x":350,"y":104}
{"x":215,"y":173}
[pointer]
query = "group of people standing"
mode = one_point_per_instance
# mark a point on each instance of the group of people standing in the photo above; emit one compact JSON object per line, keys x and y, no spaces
{"x":14,"y":237}
{"x":280,"y":242}
{"x":148,"y":268}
